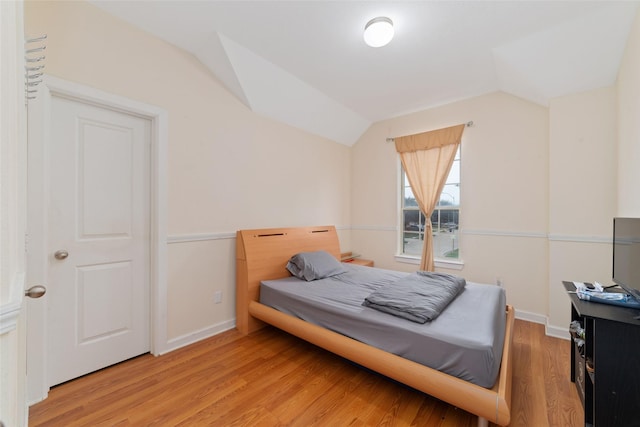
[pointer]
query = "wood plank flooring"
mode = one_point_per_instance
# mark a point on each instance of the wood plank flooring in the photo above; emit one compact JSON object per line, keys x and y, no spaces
{"x":273,"y":379}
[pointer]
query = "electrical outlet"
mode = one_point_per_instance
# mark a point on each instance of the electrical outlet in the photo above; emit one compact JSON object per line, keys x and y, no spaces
{"x":499,"y":282}
{"x":217,"y":297}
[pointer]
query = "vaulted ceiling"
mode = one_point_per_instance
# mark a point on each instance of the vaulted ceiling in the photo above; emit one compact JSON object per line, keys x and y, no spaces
{"x":305,"y":63}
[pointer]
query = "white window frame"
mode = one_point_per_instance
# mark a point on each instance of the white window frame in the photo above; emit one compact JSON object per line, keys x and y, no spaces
{"x":449,"y":263}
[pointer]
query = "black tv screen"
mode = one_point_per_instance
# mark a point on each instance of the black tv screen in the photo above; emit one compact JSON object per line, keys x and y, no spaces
{"x":626,"y":254}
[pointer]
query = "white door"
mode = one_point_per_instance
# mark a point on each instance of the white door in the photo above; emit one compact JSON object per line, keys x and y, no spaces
{"x":98,"y":242}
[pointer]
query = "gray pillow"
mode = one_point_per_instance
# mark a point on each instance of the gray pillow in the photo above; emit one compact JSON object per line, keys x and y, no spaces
{"x":314,"y":265}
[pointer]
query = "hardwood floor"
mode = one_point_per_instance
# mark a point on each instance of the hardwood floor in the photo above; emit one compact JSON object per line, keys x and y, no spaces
{"x":273,"y":379}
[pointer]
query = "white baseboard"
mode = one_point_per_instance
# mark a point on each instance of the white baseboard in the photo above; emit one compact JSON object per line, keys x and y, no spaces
{"x":531,"y":317}
{"x":558,"y":332}
{"x":550,"y":330}
{"x":193,"y":337}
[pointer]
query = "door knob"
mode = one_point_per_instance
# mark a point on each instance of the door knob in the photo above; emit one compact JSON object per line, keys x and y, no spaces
{"x":61,"y":254}
{"x":35,"y":291}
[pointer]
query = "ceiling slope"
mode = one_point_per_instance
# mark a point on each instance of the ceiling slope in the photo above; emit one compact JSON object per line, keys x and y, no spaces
{"x":273,"y":92}
{"x":580,"y":54}
{"x":304,"y":62}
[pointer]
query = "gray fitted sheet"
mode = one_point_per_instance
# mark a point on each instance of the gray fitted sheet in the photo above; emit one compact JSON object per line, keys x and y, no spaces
{"x":465,"y":341}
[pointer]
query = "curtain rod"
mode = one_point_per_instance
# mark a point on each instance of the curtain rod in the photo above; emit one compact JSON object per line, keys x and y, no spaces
{"x":468,"y":124}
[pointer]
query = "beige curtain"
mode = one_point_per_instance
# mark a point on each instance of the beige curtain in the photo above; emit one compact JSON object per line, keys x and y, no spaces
{"x":427,"y":158}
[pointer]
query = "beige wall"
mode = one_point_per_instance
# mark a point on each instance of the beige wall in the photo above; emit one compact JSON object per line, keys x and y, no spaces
{"x":582,"y":193}
{"x":528,"y":216}
{"x":565,"y":171}
{"x":504,"y":192}
{"x":559,"y":180}
{"x":229,"y":168}
{"x":629,"y":126}
{"x":538,"y":194}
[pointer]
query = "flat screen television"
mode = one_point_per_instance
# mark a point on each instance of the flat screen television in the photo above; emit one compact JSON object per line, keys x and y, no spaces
{"x":626,"y":255}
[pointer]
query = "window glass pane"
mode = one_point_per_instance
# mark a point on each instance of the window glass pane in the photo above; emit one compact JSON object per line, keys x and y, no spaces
{"x":445,"y":244}
{"x":444,"y":219}
{"x":435,"y":220}
{"x":412,"y":243}
{"x":450,"y":195}
{"x":409,"y":198}
{"x":445,"y":236}
{"x":454,"y":174}
{"x":411,"y":220}
{"x":449,"y":219}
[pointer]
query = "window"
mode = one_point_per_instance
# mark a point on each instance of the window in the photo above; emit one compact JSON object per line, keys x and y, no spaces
{"x":444,"y":220}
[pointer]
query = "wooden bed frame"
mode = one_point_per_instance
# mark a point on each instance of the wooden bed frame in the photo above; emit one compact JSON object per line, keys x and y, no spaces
{"x":262,"y":254}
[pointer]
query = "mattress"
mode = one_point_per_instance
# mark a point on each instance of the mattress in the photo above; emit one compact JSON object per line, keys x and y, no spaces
{"x":465,"y":341}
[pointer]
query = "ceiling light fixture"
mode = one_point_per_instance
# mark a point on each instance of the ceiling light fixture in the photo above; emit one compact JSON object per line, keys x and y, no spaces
{"x":378,"y":32}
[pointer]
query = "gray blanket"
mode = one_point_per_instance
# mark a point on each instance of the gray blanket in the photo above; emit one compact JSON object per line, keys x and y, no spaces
{"x":419,"y":297}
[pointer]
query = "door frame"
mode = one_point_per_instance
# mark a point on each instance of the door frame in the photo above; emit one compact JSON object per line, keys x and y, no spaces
{"x":39,"y":143}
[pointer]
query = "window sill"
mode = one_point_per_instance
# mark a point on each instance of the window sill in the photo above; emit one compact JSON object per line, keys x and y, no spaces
{"x":438,"y":262}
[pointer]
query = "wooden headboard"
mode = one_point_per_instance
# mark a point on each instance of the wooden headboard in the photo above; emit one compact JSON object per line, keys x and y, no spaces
{"x":262,"y":254}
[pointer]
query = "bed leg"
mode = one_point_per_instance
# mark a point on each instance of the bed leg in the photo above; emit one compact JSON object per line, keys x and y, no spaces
{"x":483,"y":422}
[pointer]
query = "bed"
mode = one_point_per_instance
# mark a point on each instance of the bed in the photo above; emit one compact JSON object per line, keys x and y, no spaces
{"x":261,"y":258}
